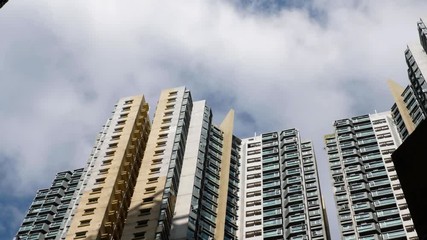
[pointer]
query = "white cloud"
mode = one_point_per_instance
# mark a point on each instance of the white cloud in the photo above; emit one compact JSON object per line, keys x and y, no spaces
{"x":64,"y":64}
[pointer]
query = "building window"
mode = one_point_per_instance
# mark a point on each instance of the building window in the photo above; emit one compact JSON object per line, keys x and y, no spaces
{"x":159,"y":152}
{"x":128,"y":102}
{"x":253,"y":194}
{"x":80,"y":235}
{"x":109,"y":153}
{"x":96,"y":190}
{"x":252,"y":234}
{"x":119,"y":129}
{"x":89,"y":211}
{"x":154,"y":170}
{"x":142,"y":223}
{"x":253,"y":160}
{"x":253,"y":168}
{"x":125,"y":115}
{"x":253,"y":223}
{"x":150,"y":190}
{"x":121,"y":122}
{"x":253,"y":203}
{"x":169,"y":113}
{"x":162,"y":136}
{"x":145,"y":212}
{"x":100,"y":181}
{"x":157,"y":161}
{"x":253,"y":213}
{"x":139,"y":236}
{"x":252,"y":185}
{"x":125,"y":109}
{"x":112,"y":145}
{"x":147,"y":200}
{"x":93,"y":200}
{"x":85,"y":223}
{"x":253,"y":176}
{"x":106,"y":162}
{"x":103,"y":171}
{"x":152,"y":180}
{"x":115,"y":137}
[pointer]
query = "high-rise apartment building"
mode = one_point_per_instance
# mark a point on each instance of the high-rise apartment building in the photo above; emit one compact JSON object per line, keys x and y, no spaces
{"x":280,"y":195}
{"x":410,"y":107}
{"x":370,"y":201}
{"x":187,"y":185}
{"x":49,"y":210}
{"x":110,"y":176}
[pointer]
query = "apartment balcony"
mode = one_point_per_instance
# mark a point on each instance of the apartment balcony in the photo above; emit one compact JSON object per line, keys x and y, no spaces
{"x":349,"y":153}
{"x":297,"y":189}
{"x":273,"y":212}
{"x":335,"y":165}
{"x":371,"y":157}
{"x":294,"y":219}
{"x":289,"y":156}
{"x":56,"y":192}
{"x":274,"y":143}
{"x":270,"y":176}
{"x":269,"y":194}
{"x":292,"y":181}
{"x":391,"y":225}
{"x":272,"y":203}
{"x":275,"y":184}
{"x":295,"y":230}
{"x":366,"y":142}
{"x":270,"y":160}
{"x":348,"y":145}
{"x":375,"y":184}
{"x":273,"y":223}
{"x":354,"y":169}
{"x":369,"y":228}
{"x":394,"y":235}
{"x":352,"y":161}
{"x":374,"y":165}
{"x":344,"y":218}
{"x":300,"y":237}
{"x":24,"y":229}
{"x":366,"y":217}
{"x":293,"y":209}
{"x":275,"y":233}
{"x":388,"y":192}
{"x":385,"y":214}
{"x":346,"y":137}
{"x":356,"y":178}
{"x":47,"y":218}
{"x":289,"y":148}
{"x":385,"y":203}
{"x":293,"y":172}
{"x":363,"y":207}
{"x":371,"y":237}
{"x":44,"y":228}
{"x":293,"y":199}
{"x":271,"y":167}
{"x":347,"y":228}
{"x":344,"y":122}
{"x":291,"y":164}
{"x":362,"y":127}
{"x":344,"y":130}
{"x":365,"y":134}
{"x":344,"y":208}
{"x":269,"y":137}
{"x":377,"y":174}
{"x":269,"y":152}
{"x":350,"y":237}
{"x":359,"y":187}
{"x":360,"y":197}
{"x":365,"y":150}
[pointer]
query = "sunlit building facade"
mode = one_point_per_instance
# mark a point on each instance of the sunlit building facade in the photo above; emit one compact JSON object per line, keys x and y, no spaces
{"x":369,"y":199}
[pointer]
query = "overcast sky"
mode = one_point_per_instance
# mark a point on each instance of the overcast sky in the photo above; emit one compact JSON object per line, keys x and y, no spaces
{"x":279,"y":64}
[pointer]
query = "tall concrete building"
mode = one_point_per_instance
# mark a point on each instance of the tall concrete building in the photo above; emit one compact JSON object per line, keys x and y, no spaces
{"x":368,"y":195}
{"x":280,"y":196}
{"x":410,"y":107}
{"x":48,"y":212}
{"x":187,"y":185}
{"x":109,"y":178}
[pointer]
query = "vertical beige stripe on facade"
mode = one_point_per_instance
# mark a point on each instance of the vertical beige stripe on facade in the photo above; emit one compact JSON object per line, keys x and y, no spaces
{"x":396,"y":91}
{"x":227,"y":128}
